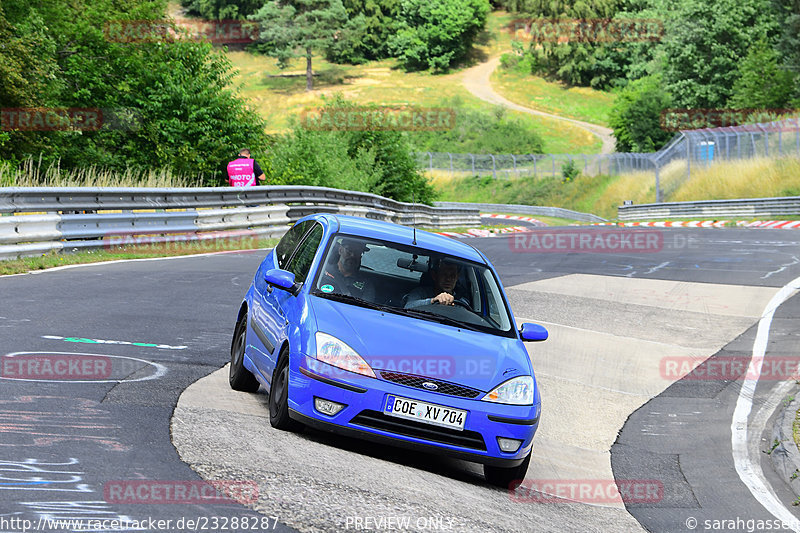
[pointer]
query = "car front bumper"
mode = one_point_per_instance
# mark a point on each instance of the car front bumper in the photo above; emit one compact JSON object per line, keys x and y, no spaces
{"x":363,"y":417}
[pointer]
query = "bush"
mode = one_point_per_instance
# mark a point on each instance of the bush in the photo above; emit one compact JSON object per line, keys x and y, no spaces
{"x":434,"y":35}
{"x":370,"y":161}
{"x":636,"y":116}
{"x":480,"y":132}
{"x":569,"y":171}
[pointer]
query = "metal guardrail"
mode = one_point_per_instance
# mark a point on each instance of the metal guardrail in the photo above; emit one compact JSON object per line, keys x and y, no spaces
{"x":534,"y":210}
{"x":85,"y":218}
{"x":750,"y":208}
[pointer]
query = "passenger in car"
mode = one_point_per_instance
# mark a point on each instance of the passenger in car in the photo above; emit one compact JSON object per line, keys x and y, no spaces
{"x":444,"y":274}
{"x":344,"y":276}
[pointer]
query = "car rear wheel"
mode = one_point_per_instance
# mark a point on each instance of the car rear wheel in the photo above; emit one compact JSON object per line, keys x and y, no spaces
{"x":507,"y":478}
{"x":279,"y":396}
{"x":239,"y":377}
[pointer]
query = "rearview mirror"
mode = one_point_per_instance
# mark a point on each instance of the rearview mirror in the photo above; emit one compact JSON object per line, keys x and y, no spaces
{"x":533,"y":332}
{"x":283,"y":279}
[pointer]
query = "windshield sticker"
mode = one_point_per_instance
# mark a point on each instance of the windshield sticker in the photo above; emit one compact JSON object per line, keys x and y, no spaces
{"x":326,"y":288}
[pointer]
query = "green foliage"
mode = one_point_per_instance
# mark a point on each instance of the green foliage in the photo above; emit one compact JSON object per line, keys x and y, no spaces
{"x":186,"y":115}
{"x":787,"y":14}
{"x":636,"y":116}
{"x":569,"y":171}
{"x":597,"y":63}
{"x":762,"y":84}
{"x":222,"y":9}
{"x":435,"y":35}
{"x":372,"y":160}
{"x":480,"y":132}
{"x":296,"y":28}
{"x":704,"y":44}
{"x":367,"y":32}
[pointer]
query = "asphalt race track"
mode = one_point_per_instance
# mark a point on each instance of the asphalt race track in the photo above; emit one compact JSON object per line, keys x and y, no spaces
{"x":144,"y":400}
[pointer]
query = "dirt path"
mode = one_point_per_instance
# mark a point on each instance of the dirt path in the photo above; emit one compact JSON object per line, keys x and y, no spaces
{"x":477,"y":81}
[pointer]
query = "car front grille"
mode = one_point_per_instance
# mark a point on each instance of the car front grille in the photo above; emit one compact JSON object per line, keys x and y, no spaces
{"x":444,"y":387}
{"x":410,"y":428}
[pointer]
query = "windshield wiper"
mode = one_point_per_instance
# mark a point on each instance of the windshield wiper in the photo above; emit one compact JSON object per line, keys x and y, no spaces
{"x":439,"y":318}
{"x":347,"y":299}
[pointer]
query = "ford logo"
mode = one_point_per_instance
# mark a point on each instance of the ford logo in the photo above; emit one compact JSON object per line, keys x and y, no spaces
{"x":430,"y":386}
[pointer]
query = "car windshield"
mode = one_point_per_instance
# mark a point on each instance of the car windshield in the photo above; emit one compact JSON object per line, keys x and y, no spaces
{"x":413,"y":281}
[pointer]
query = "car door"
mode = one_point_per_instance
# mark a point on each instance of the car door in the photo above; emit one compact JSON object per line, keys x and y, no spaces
{"x":279,"y":306}
{"x":264,"y":315}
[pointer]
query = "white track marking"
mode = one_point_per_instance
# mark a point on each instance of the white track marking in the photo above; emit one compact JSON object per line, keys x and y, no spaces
{"x":748,"y":466}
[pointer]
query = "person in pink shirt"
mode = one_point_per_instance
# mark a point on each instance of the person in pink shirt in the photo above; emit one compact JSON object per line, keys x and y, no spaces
{"x":243,"y":170}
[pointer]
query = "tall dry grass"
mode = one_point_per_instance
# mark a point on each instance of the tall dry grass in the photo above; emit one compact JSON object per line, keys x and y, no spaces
{"x":749,"y":178}
{"x":32,"y":173}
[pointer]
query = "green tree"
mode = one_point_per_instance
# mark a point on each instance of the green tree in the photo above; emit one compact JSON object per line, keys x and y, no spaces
{"x":367,"y":32}
{"x":762,"y":84}
{"x":635,"y":117}
{"x":434,"y":35}
{"x":787,"y":13}
{"x":187,"y":115}
{"x":375,"y":161}
{"x":704,"y":44}
{"x":296,"y":28}
{"x":222,"y":9}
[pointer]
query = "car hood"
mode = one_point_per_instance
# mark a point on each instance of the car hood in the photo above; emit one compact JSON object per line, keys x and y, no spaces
{"x":392,"y":342}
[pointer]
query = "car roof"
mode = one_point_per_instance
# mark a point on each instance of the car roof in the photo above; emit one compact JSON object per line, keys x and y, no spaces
{"x":388,"y":231}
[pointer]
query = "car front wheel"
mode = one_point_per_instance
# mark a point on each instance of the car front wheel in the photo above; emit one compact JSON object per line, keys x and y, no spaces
{"x":507,"y":478}
{"x":279,"y":397}
{"x":238,"y":376}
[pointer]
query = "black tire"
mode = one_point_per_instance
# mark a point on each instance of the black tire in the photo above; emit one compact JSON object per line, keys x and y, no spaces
{"x":239,"y":377}
{"x":507,"y":478}
{"x":279,"y":396}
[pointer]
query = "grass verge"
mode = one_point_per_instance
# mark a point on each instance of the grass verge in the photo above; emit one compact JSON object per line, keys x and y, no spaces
{"x":600,"y":195}
{"x":50,"y":260}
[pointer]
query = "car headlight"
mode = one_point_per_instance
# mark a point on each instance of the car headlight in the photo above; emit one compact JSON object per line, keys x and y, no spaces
{"x":515,"y":391}
{"x":335,"y":352}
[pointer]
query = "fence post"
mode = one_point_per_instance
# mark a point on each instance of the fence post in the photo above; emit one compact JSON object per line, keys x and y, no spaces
{"x":553,"y":157}
{"x":659,"y":199}
{"x":473,"y":163}
{"x":535,"y":172}
{"x":430,"y":161}
{"x":585,"y":164}
{"x":688,"y":156}
{"x":514,"y":159}
{"x":451,"y":164}
{"x":494,"y":167}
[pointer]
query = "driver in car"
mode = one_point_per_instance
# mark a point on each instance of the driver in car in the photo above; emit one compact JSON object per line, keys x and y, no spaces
{"x":444,"y":275}
{"x":344,"y":277}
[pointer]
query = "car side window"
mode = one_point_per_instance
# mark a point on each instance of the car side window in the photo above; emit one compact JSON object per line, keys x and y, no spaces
{"x":300,"y":262}
{"x":290,"y":241}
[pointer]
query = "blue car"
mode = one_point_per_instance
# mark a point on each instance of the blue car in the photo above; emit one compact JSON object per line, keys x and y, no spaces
{"x":393,"y":335}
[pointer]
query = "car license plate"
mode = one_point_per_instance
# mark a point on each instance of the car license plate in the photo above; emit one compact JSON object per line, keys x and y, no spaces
{"x":429,"y":413}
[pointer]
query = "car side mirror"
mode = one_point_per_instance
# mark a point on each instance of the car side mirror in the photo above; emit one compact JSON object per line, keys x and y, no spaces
{"x":533,"y":332}
{"x":283,"y":279}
